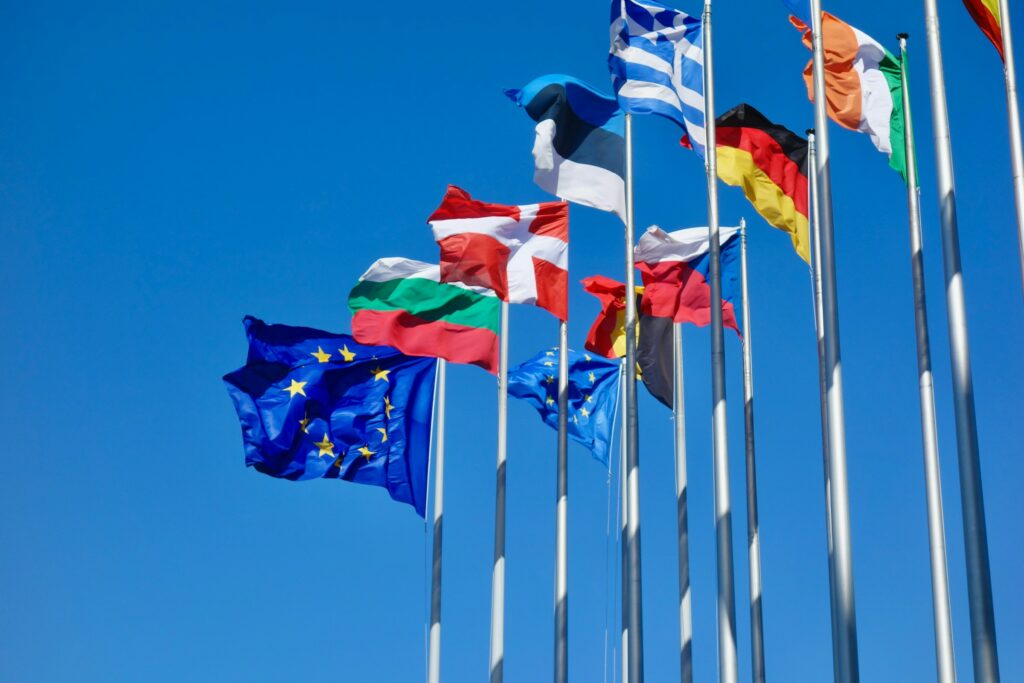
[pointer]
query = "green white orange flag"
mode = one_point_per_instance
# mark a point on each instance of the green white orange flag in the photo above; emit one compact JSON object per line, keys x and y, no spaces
{"x":402,"y":303}
{"x":863,"y":89}
{"x":986,"y":14}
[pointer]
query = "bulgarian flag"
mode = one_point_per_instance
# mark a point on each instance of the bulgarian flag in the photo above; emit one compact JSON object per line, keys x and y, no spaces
{"x":402,"y":303}
{"x":863,"y":89}
{"x":986,"y":14}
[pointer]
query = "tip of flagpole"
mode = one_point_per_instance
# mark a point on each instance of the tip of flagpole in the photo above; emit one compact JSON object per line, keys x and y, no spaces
{"x":809,"y":131}
{"x":902,"y":36}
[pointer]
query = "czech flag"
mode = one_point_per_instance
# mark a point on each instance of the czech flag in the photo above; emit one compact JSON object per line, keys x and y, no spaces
{"x":677,"y":282}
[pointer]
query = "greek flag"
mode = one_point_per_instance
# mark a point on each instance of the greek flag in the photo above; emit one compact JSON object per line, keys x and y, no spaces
{"x":657,"y":64}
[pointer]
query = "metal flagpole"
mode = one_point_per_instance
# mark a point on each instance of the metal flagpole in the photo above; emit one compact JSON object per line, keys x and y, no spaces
{"x":679,"y":424}
{"x":979,"y":580}
{"x":1013,"y":114}
{"x":623,"y":542}
{"x":561,"y":513}
{"x":819,"y":315}
{"x":841,"y":543}
{"x":753,"y":530}
{"x":497,"y":663}
{"x":933,"y":484}
{"x":434,"y":655}
{"x":635,"y":601}
{"x":723,"y":512}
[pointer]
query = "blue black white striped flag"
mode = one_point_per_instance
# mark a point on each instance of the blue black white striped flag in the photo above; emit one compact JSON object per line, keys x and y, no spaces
{"x":657,"y":64}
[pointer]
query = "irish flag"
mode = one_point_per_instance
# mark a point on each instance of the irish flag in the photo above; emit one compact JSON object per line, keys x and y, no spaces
{"x":863,"y":90}
{"x":402,"y":303}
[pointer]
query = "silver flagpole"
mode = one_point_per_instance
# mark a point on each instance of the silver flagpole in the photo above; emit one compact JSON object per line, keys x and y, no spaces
{"x":723,"y":512}
{"x":819,"y":315}
{"x":1013,"y":114}
{"x":679,"y":424}
{"x":497,"y":663}
{"x":753,"y":529}
{"x":944,"y":663}
{"x":623,"y":542}
{"x":979,"y":579}
{"x":635,"y":600}
{"x":434,"y":655}
{"x":841,"y":543}
{"x":561,"y":513}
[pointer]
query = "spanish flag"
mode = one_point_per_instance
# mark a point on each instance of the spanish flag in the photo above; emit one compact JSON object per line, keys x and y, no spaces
{"x":770,"y":163}
{"x":654,"y":335}
{"x":986,"y":14}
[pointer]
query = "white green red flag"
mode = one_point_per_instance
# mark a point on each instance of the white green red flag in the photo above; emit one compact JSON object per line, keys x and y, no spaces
{"x":402,"y":303}
{"x":863,"y":88}
{"x":519,"y":252}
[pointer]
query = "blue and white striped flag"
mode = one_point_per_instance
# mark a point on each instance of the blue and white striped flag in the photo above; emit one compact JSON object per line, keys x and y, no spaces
{"x":657,"y":64}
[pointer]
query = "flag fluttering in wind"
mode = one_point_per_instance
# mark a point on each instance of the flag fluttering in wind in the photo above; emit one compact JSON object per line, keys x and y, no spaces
{"x":520,"y":252}
{"x":607,"y":335}
{"x":986,"y":14}
{"x":402,"y":303}
{"x":593,"y":395}
{"x":674,"y":267}
{"x":657,"y":64}
{"x":580,"y":147}
{"x":314,"y":404}
{"x":770,"y":163}
{"x":863,"y":88}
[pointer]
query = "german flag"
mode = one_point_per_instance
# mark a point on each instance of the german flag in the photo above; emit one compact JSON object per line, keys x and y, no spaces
{"x":770,"y":163}
{"x":654,"y":335}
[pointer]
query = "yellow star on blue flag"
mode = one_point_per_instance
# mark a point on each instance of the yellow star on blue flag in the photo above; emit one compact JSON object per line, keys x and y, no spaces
{"x":593,"y":396}
{"x":338,"y":420}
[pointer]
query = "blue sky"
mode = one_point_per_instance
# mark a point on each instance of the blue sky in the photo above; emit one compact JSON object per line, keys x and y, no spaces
{"x":165,"y":170}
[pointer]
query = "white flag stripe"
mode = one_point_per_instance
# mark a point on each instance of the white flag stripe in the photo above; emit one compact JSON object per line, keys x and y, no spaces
{"x":635,"y":55}
{"x":658,"y":246}
{"x":650,"y":91}
{"x":398,"y":268}
{"x":587,"y":185}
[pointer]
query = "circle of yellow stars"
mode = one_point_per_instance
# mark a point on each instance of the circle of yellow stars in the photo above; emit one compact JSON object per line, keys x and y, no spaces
{"x":325,"y":447}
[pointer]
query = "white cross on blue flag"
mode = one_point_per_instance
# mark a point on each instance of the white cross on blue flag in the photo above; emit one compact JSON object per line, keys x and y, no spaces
{"x":657,"y":64}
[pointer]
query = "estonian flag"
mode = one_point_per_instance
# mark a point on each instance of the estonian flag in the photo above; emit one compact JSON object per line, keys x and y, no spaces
{"x":580,"y":148}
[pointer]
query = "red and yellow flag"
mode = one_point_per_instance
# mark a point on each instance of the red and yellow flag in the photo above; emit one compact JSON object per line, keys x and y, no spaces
{"x":986,"y":15}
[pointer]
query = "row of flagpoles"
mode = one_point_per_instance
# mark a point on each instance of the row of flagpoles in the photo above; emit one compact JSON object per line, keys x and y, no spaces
{"x":812,"y":232}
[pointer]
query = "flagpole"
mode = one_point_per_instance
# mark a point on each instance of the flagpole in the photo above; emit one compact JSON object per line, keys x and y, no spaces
{"x":944,"y":663}
{"x":1013,"y":116}
{"x":623,"y":533}
{"x":561,"y":513}
{"x":979,"y":579}
{"x":434,"y":655}
{"x":819,"y":315}
{"x":843,"y":555}
{"x":635,"y":601}
{"x":679,"y":424}
{"x":497,"y":659}
{"x":753,"y":529}
{"x":723,"y":512}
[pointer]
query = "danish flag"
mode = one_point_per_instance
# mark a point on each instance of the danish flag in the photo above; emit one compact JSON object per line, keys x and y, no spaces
{"x":520,"y":252}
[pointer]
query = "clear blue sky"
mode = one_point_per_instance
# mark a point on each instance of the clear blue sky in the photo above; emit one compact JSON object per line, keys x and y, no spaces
{"x":166,"y":170}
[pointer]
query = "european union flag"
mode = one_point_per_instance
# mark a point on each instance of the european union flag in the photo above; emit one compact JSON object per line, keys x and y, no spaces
{"x":593,"y":395}
{"x":318,"y":405}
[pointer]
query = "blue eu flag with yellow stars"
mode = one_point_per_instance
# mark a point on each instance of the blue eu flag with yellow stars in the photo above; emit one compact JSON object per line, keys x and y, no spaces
{"x":593,"y":395}
{"x":319,"y":405}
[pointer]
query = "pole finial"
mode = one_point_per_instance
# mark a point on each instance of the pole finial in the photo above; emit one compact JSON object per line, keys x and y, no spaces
{"x":809,"y":131}
{"x":902,"y":36}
